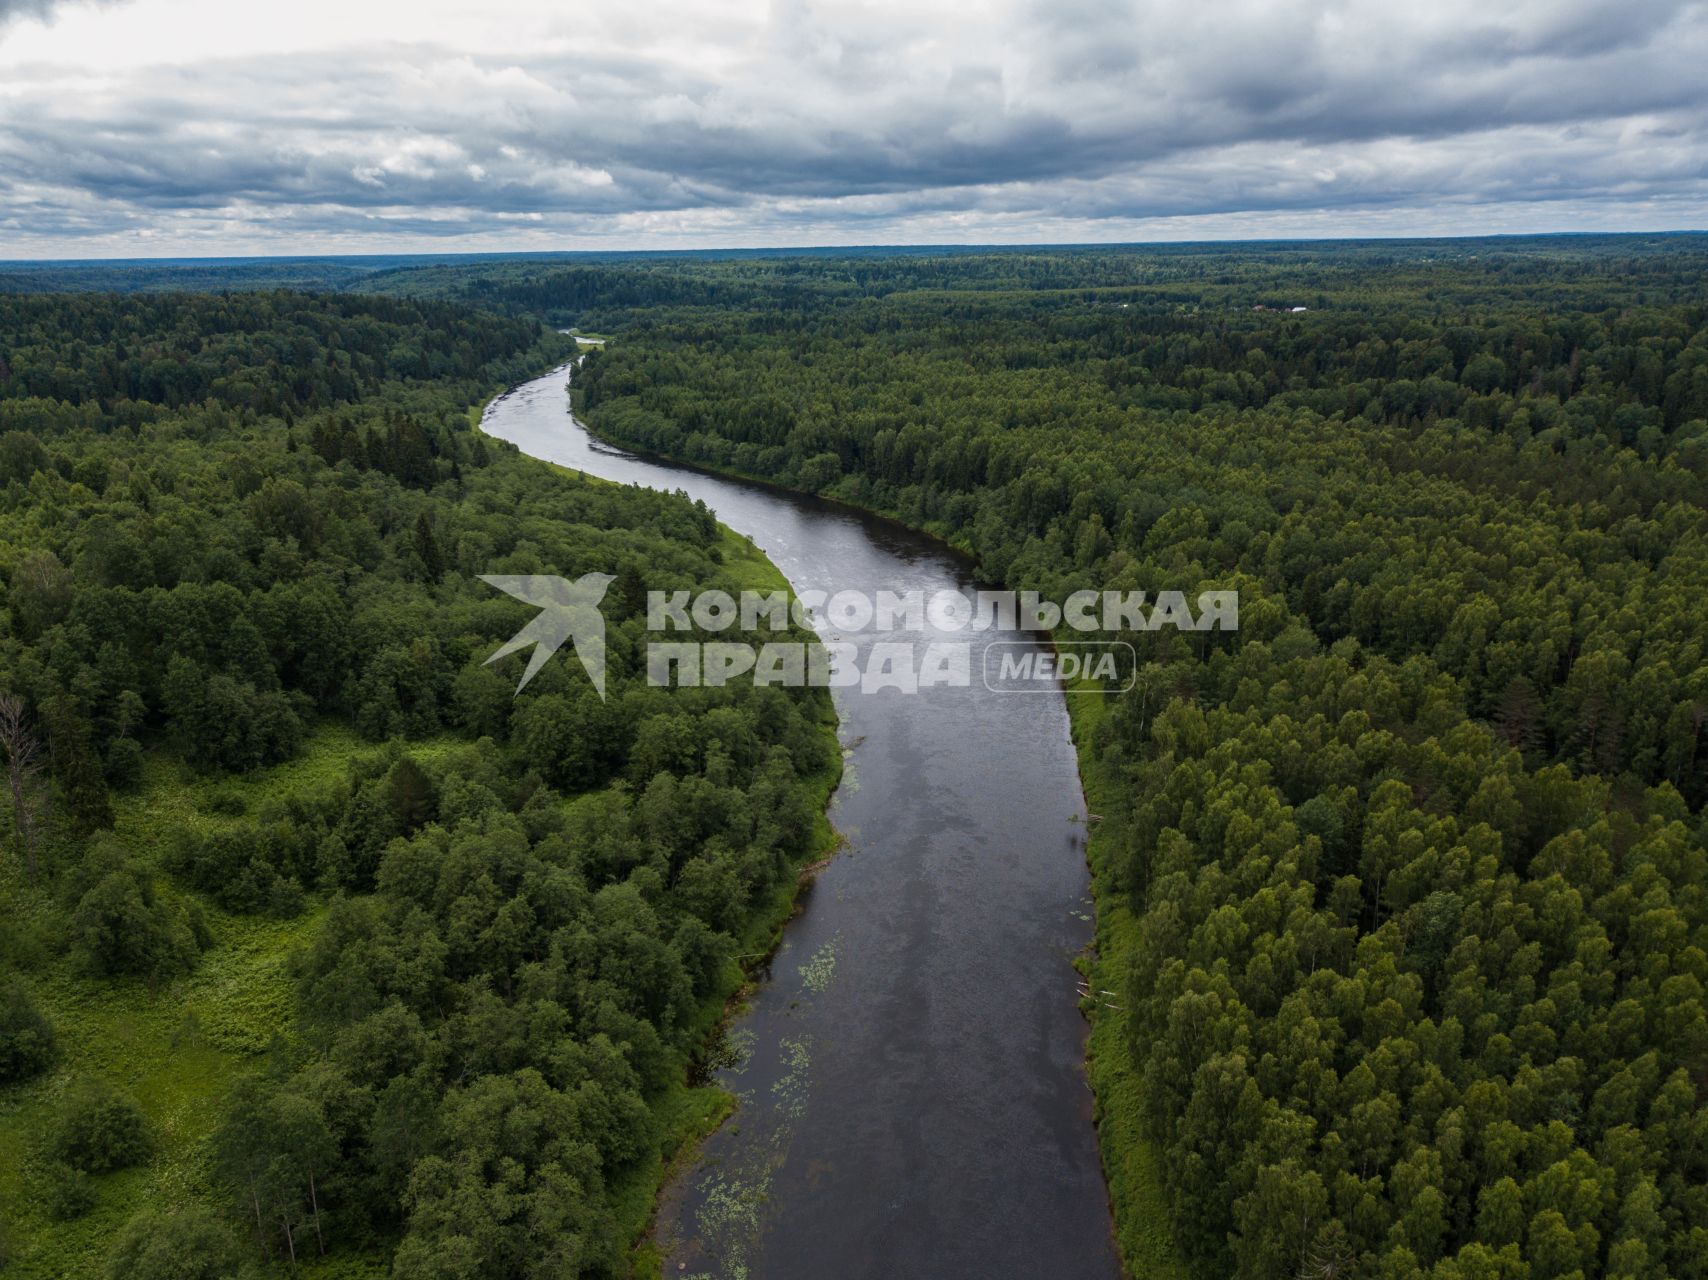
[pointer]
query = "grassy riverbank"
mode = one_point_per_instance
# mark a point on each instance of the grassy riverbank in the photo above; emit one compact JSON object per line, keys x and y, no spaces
{"x":1131,"y":1163}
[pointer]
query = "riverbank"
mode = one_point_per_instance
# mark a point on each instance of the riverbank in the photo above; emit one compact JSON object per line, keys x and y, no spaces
{"x":1131,"y":1163}
{"x":690,"y":1112}
{"x":693,"y":1109}
{"x":911,"y":1068}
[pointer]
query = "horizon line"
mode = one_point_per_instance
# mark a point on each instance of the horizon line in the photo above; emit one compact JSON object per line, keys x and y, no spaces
{"x":1035,"y":245}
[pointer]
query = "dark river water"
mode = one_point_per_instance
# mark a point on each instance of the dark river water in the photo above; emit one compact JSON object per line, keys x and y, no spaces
{"x":912,"y":1097}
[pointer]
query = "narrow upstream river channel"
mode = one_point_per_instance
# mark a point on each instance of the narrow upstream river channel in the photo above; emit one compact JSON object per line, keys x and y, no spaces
{"x":913,"y":1103}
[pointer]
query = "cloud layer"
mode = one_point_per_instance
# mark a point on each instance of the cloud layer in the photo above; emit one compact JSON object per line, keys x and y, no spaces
{"x":164,"y":126}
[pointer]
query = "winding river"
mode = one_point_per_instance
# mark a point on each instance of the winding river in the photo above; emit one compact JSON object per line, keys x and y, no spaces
{"x":913,"y":1101}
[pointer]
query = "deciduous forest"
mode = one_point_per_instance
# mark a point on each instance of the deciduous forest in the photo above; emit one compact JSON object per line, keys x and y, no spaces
{"x":322,"y":952}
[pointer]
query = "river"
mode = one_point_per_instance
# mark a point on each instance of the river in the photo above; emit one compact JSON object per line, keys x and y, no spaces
{"x":910,"y":1073}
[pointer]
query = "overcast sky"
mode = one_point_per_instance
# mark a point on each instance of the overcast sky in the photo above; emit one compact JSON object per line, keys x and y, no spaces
{"x":150,"y":127}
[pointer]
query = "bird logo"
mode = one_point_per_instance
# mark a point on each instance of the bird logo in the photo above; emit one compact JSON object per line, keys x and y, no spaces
{"x":568,"y":611}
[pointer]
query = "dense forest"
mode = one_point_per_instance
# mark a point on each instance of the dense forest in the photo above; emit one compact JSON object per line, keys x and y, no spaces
{"x":1401,"y":887}
{"x":1403,"y":883}
{"x":432,"y":958}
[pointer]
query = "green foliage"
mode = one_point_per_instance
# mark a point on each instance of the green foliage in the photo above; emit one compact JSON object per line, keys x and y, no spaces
{"x":485,"y":1030}
{"x":27,"y":1046}
{"x":121,"y":925}
{"x":242,"y":535}
{"x":65,"y":1192}
{"x":98,"y":1129}
{"x":189,"y":1244}
{"x":175,"y":1048}
{"x":509,"y":1197}
{"x":1400,"y":887}
{"x":1354,"y":462}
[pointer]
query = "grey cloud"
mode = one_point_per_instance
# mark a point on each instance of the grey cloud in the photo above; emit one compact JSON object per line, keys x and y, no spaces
{"x":12,"y":10}
{"x":1070,"y":111}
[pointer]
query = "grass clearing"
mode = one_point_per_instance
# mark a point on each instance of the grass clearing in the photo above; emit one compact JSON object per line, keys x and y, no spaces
{"x":178,"y":1047}
{"x":175,"y":1047}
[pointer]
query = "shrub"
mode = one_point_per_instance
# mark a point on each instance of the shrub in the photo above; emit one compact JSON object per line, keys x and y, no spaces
{"x":238,"y":868}
{"x":124,"y":762}
{"x":190,"y":1244}
{"x":66,"y":1193}
{"x":26,"y":1036}
{"x":98,"y":1129}
{"x":227,"y":804}
{"x":121,"y":927}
